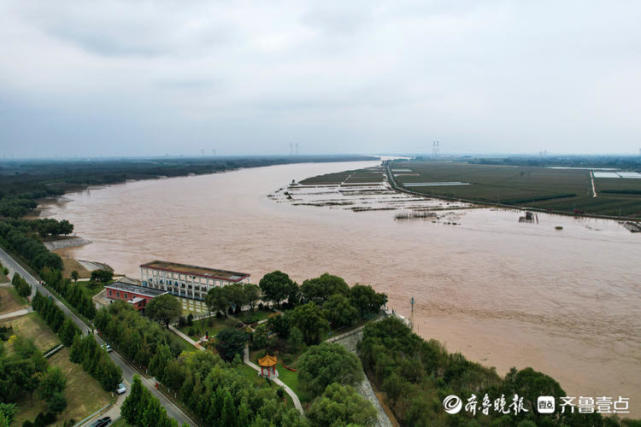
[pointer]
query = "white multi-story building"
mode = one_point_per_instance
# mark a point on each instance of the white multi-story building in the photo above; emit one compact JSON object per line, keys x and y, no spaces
{"x":187,"y":281}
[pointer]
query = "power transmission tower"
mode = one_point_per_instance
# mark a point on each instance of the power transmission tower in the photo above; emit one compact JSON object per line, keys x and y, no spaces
{"x":436,"y":149}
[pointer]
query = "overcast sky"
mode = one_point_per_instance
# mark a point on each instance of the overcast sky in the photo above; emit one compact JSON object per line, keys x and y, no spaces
{"x":110,"y":78}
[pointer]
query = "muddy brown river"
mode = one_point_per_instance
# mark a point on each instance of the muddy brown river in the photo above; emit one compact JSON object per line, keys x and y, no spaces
{"x":503,"y":293}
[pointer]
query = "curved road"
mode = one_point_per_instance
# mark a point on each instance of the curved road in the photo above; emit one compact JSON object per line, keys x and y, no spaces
{"x":128,"y":371}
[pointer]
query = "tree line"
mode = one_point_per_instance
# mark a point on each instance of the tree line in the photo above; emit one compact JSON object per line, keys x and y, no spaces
{"x":22,"y":183}
{"x":20,"y":238}
{"x":142,"y":409}
{"x":21,"y":286}
{"x":55,"y":318}
{"x":84,"y":350}
{"x":318,"y":305}
{"x":70,"y":292}
{"x":416,"y":375}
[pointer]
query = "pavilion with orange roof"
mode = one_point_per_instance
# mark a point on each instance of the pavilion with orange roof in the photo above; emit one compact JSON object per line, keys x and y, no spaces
{"x":268,"y":366}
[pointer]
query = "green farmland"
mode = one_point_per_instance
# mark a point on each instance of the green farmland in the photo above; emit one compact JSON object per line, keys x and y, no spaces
{"x":350,"y":177}
{"x":563,"y":190}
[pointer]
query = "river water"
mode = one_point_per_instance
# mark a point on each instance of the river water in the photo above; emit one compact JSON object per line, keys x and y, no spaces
{"x":503,"y":293}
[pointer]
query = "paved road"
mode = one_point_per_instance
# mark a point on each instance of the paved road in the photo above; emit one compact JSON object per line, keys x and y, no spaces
{"x":128,"y":371}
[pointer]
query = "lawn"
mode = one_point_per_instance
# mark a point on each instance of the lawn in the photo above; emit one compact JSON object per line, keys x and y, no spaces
{"x":253,"y":316}
{"x":210,"y":324}
{"x":290,"y":378}
{"x":10,"y":300}
{"x":84,"y":394}
{"x":256,"y":379}
{"x":32,"y":326}
{"x":91,"y":288}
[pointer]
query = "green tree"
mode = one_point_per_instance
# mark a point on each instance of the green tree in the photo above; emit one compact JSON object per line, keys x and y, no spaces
{"x":341,"y":405}
{"x":159,"y":362}
{"x":321,"y":288}
{"x":230,"y":342}
{"x":235,"y":294}
{"x":53,"y":381}
{"x":164,"y":309}
{"x":57,"y":402}
{"x":259,"y":337}
{"x":326,"y":363}
{"x":75,"y":276}
{"x":68,"y":332}
{"x":102,"y":276}
{"x":134,"y":405}
{"x":339,"y":311}
{"x":7,"y":412}
{"x":280,"y":324}
{"x":252,"y":294}
{"x":366,"y":299}
{"x":217,"y":301}
{"x":277,"y":286}
{"x":309,"y":319}
{"x":295,"y":342}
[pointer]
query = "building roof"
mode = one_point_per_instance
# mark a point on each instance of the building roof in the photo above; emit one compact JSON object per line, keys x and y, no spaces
{"x":267,"y":361}
{"x":139,"y":290}
{"x":211,"y":273}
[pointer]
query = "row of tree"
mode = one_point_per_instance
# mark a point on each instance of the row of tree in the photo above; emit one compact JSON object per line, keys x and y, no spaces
{"x":49,"y":227}
{"x":84,"y":350}
{"x":71,"y":292}
{"x":136,"y":337}
{"x":55,"y":318}
{"x":142,"y":409}
{"x":328,"y":303}
{"x":278,"y":287}
{"x":95,"y":361}
{"x":21,"y":286}
{"x":235,"y":296}
{"x":18,"y":237}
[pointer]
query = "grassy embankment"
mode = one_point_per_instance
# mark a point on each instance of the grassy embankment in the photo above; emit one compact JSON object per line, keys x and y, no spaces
{"x":10,"y":301}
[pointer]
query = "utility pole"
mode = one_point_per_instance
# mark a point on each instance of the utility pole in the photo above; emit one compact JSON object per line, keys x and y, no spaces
{"x":412,"y":314}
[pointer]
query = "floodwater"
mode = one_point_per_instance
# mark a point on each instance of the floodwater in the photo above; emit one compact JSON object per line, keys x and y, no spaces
{"x":566,"y":302}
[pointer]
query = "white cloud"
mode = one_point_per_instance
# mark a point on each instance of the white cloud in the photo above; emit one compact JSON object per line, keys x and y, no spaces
{"x":149,"y":77}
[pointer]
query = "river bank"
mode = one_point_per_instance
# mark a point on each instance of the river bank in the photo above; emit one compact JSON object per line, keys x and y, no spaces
{"x":502,"y":292}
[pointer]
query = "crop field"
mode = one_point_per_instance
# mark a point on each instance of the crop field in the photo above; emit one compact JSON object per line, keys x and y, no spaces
{"x":566,"y":190}
{"x":354,"y":177}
